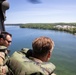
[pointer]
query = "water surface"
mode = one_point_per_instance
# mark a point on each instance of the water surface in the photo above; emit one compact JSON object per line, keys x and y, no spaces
{"x":64,"y":54}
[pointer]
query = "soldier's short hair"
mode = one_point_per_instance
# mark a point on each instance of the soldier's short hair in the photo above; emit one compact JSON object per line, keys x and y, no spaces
{"x":42,"y":45}
{"x":4,"y":34}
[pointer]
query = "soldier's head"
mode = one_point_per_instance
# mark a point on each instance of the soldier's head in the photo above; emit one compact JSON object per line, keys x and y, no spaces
{"x":5,"y":39}
{"x":42,"y":48}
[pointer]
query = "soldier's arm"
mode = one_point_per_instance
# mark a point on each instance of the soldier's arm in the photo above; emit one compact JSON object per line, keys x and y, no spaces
{"x":2,"y":58}
{"x":1,"y":61}
{"x":3,"y":68}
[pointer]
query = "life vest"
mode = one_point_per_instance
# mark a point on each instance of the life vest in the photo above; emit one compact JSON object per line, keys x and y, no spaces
{"x":21,"y":65}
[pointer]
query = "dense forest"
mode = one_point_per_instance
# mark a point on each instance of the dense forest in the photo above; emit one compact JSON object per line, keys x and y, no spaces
{"x":68,"y":27}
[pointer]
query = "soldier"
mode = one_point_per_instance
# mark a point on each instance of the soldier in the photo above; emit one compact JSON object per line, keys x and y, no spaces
{"x":42,"y":51}
{"x":5,"y":41}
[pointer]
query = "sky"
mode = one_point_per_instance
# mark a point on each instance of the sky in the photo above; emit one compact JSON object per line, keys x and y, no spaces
{"x":41,"y":11}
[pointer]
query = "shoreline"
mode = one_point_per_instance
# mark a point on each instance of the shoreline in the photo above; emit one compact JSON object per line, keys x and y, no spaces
{"x":67,"y":27}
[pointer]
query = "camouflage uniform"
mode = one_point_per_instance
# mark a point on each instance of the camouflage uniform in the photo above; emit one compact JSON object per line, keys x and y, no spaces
{"x":3,"y":59}
{"x":21,"y":63}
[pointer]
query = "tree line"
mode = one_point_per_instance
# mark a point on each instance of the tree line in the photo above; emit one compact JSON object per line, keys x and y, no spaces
{"x":51,"y":26}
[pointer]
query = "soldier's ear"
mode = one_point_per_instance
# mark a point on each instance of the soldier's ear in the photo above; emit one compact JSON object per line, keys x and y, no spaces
{"x":49,"y":55}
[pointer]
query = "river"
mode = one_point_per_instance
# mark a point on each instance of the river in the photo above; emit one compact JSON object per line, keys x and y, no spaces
{"x":64,"y":54}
